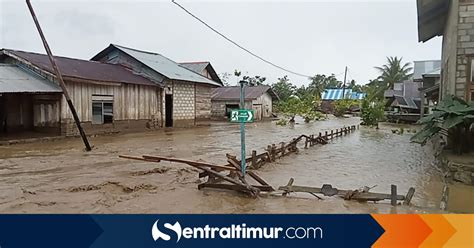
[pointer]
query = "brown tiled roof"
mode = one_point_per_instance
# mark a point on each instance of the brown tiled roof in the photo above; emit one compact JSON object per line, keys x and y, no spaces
{"x":83,"y":69}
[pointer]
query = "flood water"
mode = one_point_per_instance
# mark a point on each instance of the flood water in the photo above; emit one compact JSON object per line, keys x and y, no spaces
{"x":60,"y":177}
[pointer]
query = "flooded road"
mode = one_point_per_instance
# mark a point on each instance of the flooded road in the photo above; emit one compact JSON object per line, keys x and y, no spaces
{"x":59,"y":177}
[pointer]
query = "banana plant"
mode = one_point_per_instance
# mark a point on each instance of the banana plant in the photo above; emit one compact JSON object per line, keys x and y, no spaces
{"x":453,"y":118}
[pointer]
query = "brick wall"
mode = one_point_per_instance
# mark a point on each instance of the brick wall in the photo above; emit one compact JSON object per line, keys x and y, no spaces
{"x":465,"y":45}
{"x":183,"y":104}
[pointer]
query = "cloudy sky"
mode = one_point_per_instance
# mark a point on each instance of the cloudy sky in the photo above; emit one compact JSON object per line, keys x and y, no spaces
{"x":309,"y":37}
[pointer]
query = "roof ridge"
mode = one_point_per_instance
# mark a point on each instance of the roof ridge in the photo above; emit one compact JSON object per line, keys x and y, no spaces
{"x":61,"y":57}
{"x":136,"y":50}
{"x":196,"y":62}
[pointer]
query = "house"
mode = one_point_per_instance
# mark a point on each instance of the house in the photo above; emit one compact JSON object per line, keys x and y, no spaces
{"x":430,"y":91}
{"x":107,"y":97}
{"x":259,"y":98}
{"x":330,"y":95}
{"x":186,"y":99}
{"x":454,"y":20}
{"x":407,"y":97}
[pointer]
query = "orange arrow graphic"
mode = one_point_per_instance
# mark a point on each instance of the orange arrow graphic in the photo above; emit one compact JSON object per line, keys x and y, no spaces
{"x":401,"y":231}
{"x":442,"y":230}
{"x":464,"y":225}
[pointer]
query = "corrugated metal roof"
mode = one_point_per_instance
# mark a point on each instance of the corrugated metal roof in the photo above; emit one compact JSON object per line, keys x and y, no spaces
{"x":233,"y":92}
{"x":336,"y":94}
{"x":14,"y":79}
{"x":83,"y":69}
{"x":165,"y":66}
{"x":197,"y":67}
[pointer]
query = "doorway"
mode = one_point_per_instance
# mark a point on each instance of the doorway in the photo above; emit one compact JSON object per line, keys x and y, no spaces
{"x":168,"y":110}
{"x":3,"y":114}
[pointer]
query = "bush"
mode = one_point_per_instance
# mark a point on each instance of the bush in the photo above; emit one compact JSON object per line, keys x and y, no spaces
{"x":372,"y":112}
{"x":343,"y":106}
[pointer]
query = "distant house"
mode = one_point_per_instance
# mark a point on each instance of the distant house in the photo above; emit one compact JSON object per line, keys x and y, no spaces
{"x":430,"y":91}
{"x":186,"y":99}
{"x":331,"y":95}
{"x":405,"y":97}
{"x":454,"y":20}
{"x":408,"y":96}
{"x":107,"y":97}
{"x":259,"y":98}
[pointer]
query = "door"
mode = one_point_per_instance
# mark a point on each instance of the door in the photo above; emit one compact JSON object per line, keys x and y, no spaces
{"x":169,"y":110}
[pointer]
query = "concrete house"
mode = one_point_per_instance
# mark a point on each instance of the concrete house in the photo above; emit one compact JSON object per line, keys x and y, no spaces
{"x":186,"y":99}
{"x":107,"y":97}
{"x":454,"y":20}
{"x":259,"y":98}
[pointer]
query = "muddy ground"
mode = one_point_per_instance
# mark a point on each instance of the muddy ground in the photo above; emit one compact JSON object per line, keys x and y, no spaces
{"x":59,"y":177}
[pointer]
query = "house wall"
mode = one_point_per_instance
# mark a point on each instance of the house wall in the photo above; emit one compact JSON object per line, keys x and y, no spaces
{"x":183,"y":104}
{"x":266,"y":103}
{"x":449,"y":52}
{"x":135,"y":107}
{"x":465,"y":48}
{"x":203,"y":104}
{"x":218,"y":107}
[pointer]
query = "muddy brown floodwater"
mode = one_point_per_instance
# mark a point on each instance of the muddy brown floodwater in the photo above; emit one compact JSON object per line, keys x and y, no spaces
{"x":59,"y":177}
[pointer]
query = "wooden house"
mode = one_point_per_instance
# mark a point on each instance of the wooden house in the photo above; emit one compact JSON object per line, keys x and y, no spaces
{"x":107,"y":97}
{"x":186,"y":98}
{"x":259,"y":98}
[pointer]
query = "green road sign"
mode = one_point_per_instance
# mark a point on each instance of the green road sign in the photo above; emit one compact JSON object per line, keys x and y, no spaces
{"x":242,"y":115}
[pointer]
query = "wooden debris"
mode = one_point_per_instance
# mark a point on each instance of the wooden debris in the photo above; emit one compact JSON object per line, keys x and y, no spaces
{"x":409,"y":196}
{"x":358,"y":195}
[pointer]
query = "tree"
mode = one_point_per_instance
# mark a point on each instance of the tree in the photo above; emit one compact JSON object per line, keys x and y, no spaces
{"x":283,"y":88}
{"x":321,"y":82}
{"x":394,"y":72}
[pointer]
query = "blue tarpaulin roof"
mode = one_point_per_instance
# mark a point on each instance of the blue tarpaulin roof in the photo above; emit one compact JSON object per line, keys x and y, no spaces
{"x":336,"y":94}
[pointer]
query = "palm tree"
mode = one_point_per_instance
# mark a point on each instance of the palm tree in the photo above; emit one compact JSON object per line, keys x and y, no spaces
{"x":393,"y":72}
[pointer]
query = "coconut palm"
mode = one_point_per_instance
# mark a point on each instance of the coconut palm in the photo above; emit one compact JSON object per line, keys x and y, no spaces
{"x":394,"y":72}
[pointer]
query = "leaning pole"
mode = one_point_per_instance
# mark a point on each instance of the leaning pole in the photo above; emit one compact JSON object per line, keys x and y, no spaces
{"x":60,"y":78}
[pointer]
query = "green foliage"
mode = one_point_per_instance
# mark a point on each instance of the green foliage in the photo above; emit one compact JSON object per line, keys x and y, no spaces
{"x":295,"y":106}
{"x":372,"y":110}
{"x":282,"y":122}
{"x":344,"y":105}
{"x":452,"y":117}
{"x":321,"y":82}
{"x":283,"y":88}
{"x":394,"y":72}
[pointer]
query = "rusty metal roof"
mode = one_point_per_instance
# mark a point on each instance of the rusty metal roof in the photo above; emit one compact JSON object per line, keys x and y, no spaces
{"x":81,"y":69}
{"x":14,"y":79}
{"x":232,"y":93}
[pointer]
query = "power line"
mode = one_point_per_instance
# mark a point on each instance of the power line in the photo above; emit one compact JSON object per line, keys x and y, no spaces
{"x":239,"y":46}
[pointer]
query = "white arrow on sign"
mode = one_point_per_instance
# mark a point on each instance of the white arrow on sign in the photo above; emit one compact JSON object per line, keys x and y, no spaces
{"x":250,"y":115}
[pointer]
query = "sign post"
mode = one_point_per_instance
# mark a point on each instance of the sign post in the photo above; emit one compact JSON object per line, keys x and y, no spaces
{"x":242,"y":116}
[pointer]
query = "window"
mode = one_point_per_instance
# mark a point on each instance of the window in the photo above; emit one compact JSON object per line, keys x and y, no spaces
{"x":102,"y":109}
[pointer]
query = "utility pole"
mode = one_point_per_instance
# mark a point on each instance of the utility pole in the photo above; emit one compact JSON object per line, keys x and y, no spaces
{"x":59,"y":78}
{"x":242,"y":128}
{"x":344,"y":85}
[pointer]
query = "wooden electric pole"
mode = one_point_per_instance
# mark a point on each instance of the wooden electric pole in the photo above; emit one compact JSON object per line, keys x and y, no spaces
{"x":59,"y":78}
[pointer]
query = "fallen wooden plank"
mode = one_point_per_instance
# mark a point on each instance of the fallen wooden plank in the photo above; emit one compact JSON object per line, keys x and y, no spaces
{"x":409,"y":196}
{"x":263,"y":188}
{"x":139,"y":158}
{"x":189,"y":162}
{"x":369,"y":196}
